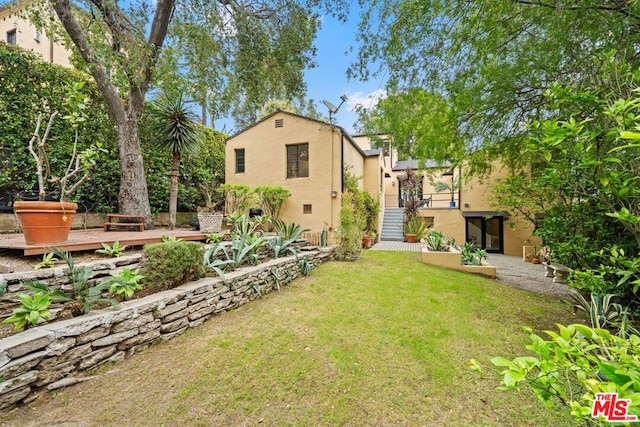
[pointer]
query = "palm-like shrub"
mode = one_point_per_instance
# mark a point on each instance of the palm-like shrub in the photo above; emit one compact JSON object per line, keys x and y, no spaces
{"x":174,"y":129}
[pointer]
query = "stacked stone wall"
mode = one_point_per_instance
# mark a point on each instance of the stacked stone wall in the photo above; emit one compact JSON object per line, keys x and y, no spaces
{"x":53,"y":354}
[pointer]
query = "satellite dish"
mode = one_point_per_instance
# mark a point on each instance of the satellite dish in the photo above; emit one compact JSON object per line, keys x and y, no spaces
{"x":332,"y":108}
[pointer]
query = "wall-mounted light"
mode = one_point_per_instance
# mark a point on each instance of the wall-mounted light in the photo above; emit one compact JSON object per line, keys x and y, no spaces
{"x":393,"y":183}
{"x":334,"y":194}
{"x":466,"y":205}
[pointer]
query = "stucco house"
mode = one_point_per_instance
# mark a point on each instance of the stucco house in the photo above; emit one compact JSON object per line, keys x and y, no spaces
{"x":306,"y":156}
{"x":309,"y":157}
{"x":16,"y":30}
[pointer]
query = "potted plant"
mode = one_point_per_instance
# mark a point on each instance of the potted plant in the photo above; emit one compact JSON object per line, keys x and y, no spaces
{"x":414,"y":230}
{"x":46,"y":222}
{"x":441,"y":186}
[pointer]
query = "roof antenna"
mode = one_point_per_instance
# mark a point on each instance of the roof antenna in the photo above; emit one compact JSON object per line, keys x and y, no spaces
{"x":332,"y":108}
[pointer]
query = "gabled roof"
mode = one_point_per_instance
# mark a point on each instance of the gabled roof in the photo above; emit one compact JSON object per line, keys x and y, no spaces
{"x":340,"y":128}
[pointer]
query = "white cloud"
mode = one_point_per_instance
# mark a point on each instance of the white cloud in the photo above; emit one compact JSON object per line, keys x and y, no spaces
{"x":366,"y":100}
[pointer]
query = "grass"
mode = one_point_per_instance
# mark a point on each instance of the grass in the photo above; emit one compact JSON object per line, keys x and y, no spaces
{"x":382,"y":341}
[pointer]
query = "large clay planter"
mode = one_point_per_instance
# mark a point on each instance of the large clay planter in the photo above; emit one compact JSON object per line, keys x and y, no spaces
{"x":45,"y":222}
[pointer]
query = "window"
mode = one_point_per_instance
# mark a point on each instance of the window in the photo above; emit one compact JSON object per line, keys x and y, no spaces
{"x":298,"y":161}
{"x":307,"y":209}
{"x":240,"y":160}
{"x":36,"y":37}
{"x":11,"y":37}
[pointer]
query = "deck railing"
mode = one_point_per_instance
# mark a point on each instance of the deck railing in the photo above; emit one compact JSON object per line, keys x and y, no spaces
{"x":428,"y":200}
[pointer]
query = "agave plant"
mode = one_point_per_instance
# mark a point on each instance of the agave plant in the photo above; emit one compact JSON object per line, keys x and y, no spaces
{"x":280,"y":246}
{"x":604,"y":313}
{"x":289,"y":231}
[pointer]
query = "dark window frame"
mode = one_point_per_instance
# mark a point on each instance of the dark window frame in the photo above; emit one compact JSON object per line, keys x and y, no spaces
{"x":297,"y":164}
{"x":12,"y":37}
{"x":240,"y":157}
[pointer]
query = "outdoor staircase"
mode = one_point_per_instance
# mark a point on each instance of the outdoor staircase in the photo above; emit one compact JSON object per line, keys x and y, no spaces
{"x":392,"y":225}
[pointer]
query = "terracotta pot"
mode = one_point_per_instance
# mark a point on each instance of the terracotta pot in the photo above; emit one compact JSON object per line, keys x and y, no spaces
{"x":411,"y":238}
{"x":366,"y":242}
{"x":535,"y":260}
{"x":45,"y":222}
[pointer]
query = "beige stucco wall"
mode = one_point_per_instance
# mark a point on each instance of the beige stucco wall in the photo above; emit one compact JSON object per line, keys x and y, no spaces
{"x":265,"y":164}
{"x":26,"y":34}
{"x":475,"y":195}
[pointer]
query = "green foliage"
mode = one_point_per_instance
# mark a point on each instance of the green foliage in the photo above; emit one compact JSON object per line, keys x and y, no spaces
{"x":468,"y":257}
{"x":604,"y":313}
{"x":174,"y":128}
{"x":416,"y":226}
{"x":424,"y":124}
{"x":32,"y":309}
{"x":237,"y":197}
{"x":489,"y":60}
{"x":166,"y":239}
{"x":350,"y":230}
{"x":281,"y":246}
{"x":574,"y":365}
{"x":48,"y":261}
{"x":85,"y":294}
{"x":214,"y":238}
{"x":367,"y":207}
{"x":436,"y":241}
{"x":169,"y":264}
{"x":3,"y":287}
{"x":263,"y":56}
{"x":213,"y":260}
{"x":125,"y":283}
{"x":289,"y":231}
{"x":29,"y":86}
{"x":271,"y":198}
{"x":306,"y":266}
{"x":39,"y":287}
{"x":116,"y":250}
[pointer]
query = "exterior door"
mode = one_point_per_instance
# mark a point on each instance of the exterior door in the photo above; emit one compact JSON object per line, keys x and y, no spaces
{"x":486,"y":233}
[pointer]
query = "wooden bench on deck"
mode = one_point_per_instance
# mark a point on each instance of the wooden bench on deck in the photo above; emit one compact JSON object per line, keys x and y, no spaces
{"x":121,"y":220}
{"x":559,"y":272}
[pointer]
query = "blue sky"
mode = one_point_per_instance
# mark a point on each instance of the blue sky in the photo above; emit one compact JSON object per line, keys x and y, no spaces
{"x":329,"y":80}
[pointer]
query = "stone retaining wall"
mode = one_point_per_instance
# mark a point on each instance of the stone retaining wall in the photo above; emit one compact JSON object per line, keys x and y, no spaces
{"x":48,"y":356}
{"x":56,"y":278}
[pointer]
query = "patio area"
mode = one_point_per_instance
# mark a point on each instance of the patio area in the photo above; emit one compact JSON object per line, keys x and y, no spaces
{"x":83,"y":240}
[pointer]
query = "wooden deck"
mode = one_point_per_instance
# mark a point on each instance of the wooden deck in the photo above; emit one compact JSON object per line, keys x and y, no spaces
{"x":85,"y":240}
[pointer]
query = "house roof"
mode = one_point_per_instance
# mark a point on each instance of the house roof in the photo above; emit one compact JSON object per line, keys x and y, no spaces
{"x":417,"y":164}
{"x":373,"y":152}
{"x":340,"y":128}
{"x":485,"y":214}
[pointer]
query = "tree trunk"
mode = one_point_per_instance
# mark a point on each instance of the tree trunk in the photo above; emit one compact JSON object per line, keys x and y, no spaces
{"x":173,"y":190}
{"x":133,"y":198}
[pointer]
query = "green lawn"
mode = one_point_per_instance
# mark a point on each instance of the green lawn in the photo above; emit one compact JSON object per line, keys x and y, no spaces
{"x":382,"y":341}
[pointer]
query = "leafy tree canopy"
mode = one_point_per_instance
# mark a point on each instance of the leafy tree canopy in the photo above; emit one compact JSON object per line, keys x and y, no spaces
{"x":232,"y":57}
{"x":493,"y":59}
{"x":422,"y":123}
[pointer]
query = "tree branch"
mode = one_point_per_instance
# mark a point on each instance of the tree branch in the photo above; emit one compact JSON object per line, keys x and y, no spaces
{"x":79,"y":38}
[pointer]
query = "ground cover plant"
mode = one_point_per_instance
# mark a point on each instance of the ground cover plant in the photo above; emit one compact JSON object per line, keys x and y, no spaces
{"x":385,"y":340}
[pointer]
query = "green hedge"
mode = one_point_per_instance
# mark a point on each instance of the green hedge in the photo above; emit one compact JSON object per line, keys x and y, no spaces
{"x":29,"y":85}
{"x":169,"y":264}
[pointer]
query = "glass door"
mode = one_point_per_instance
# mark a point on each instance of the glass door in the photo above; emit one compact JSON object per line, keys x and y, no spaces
{"x":486,"y":233}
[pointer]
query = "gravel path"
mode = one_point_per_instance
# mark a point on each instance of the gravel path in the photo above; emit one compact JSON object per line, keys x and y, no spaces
{"x":525,"y":275}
